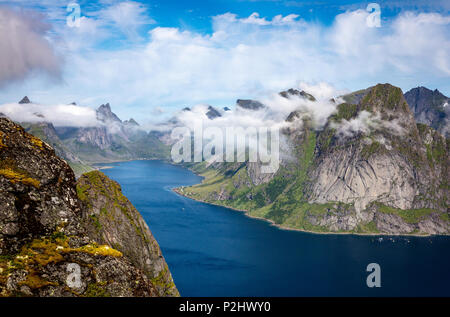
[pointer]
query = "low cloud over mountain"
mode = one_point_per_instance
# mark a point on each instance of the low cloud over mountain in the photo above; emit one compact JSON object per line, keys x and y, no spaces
{"x":240,"y":55}
{"x":59,"y":114}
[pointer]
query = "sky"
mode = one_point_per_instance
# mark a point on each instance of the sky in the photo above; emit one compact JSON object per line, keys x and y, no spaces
{"x":150,"y":58}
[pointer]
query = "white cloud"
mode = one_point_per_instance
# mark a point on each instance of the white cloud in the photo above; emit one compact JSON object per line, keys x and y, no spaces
{"x":274,"y":114}
{"x":255,"y":19}
{"x":127,"y":16}
{"x":253,"y":56}
{"x":24,"y":48}
{"x":322,"y":90}
{"x":157,"y":111}
{"x":110,"y":21}
{"x":248,"y":59}
{"x":419,"y":42}
{"x":59,"y":115}
{"x":366,"y":123}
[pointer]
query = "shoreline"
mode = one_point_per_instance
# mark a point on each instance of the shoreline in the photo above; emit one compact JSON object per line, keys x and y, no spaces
{"x":98,"y":167}
{"x":271,"y":222}
{"x":103,"y":168}
{"x":280,"y":227}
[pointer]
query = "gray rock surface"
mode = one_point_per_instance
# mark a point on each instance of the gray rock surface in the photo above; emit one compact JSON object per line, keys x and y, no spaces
{"x":430,"y":107}
{"x":45,"y":238}
{"x":249,"y":104}
{"x":111,"y":219}
{"x":371,"y":169}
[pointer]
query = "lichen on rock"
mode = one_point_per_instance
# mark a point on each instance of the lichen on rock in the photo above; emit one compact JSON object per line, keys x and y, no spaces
{"x":45,"y":229}
{"x":110,"y":218}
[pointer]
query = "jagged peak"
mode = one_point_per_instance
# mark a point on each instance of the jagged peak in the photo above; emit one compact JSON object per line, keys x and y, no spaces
{"x":131,"y":121}
{"x":25,"y":100}
{"x":104,"y":107}
{"x":212,"y":113}
{"x":104,"y":113}
{"x":295,"y":92}
{"x":249,"y":104}
{"x":421,"y":90}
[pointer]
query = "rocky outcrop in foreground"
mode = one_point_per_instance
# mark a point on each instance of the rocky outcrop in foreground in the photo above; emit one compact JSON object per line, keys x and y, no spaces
{"x":111,"y":219}
{"x":48,"y":246}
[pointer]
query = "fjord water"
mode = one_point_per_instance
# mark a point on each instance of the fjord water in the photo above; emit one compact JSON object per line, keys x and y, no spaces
{"x":215,"y":251}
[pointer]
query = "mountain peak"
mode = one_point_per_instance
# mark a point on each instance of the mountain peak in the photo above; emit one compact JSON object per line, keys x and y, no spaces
{"x":422,"y":91}
{"x":105,"y":107}
{"x":249,"y":104}
{"x":24,"y":100}
{"x":295,"y":92}
{"x":212,"y":113}
{"x":383,"y":98}
{"x":430,"y":107}
{"x":105,"y":114}
{"x":131,"y":121}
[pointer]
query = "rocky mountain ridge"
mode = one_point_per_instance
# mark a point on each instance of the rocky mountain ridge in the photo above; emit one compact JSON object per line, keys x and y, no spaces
{"x":371,"y":169}
{"x":53,"y":239}
{"x":430,"y":107}
{"x":111,"y":140}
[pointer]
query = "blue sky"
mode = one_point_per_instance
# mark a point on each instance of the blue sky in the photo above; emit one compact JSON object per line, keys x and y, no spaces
{"x":148,"y":58}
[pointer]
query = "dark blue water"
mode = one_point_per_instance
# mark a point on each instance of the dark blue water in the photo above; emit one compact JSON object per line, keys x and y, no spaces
{"x":214,"y":251}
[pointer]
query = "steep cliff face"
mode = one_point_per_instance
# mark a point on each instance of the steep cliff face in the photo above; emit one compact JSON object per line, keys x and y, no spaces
{"x":45,"y":246}
{"x":111,"y":219}
{"x":371,"y":169}
{"x":36,"y":192}
{"x":383,"y":169}
{"x":386,"y":161}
